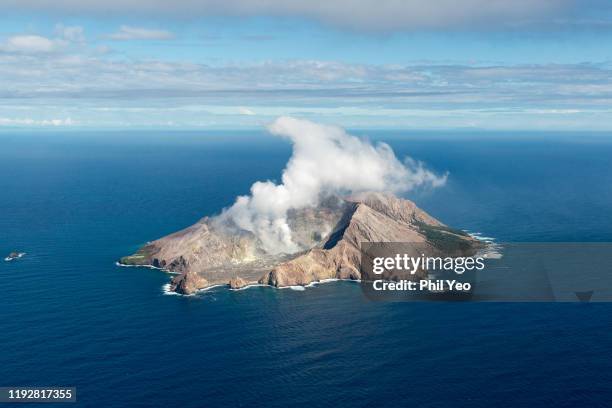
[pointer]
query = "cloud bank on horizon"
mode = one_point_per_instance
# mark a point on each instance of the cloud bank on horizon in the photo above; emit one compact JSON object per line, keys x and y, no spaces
{"x":325,"y":161}
{"x":45,"y":82}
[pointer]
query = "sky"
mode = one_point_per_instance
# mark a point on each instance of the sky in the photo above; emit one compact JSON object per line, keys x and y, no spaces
{"x":209,"y":64}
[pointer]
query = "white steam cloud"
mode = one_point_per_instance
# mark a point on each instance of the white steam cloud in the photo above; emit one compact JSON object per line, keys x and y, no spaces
{"x":326,"y":160}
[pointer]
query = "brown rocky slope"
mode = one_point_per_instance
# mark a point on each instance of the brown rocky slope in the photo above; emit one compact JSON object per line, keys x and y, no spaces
{"x":208,"y":254}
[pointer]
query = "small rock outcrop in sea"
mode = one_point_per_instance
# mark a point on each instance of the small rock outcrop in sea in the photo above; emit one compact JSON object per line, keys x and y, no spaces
{"x":237,"y":283}
{"x":208,"y":254}
{"x":188,"y":283}
{"x":14,"y":255}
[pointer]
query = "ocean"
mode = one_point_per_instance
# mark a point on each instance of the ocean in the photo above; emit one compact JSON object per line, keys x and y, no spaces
{"x":77,"y":201}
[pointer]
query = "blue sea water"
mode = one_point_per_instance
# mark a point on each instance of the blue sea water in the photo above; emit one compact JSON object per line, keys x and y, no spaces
{"x":77,"y":201}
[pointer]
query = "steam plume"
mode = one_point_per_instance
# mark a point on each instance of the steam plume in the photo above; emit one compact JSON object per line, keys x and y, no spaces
{"x":325,"y":160}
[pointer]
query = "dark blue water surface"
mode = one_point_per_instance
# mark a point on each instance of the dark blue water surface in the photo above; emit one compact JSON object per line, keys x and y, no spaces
{"x":76,"y":202}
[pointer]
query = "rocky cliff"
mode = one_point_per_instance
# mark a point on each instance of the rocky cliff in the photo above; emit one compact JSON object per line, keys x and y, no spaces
{"x":209,"y":253}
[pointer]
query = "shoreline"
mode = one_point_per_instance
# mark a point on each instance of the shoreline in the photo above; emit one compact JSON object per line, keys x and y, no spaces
{"x":298,"y":288}
{"x":491,"y":251}
{"x":117,"y":263}
{"x":166,"y":286}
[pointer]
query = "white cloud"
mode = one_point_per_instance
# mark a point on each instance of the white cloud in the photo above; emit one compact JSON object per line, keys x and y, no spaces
{"x":37,"y":44}
{"x":357,"y":14}
{"x":137,"y":33}
{"x":246,"y":111}
{"x":325,"y":161}
{"x":35,"y":122}
{"x":28,"y":44}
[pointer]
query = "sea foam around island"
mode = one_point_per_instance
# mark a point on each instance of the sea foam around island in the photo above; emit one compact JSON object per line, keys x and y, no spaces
{"x":166,"y":287}
{"x":492,"y":250}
